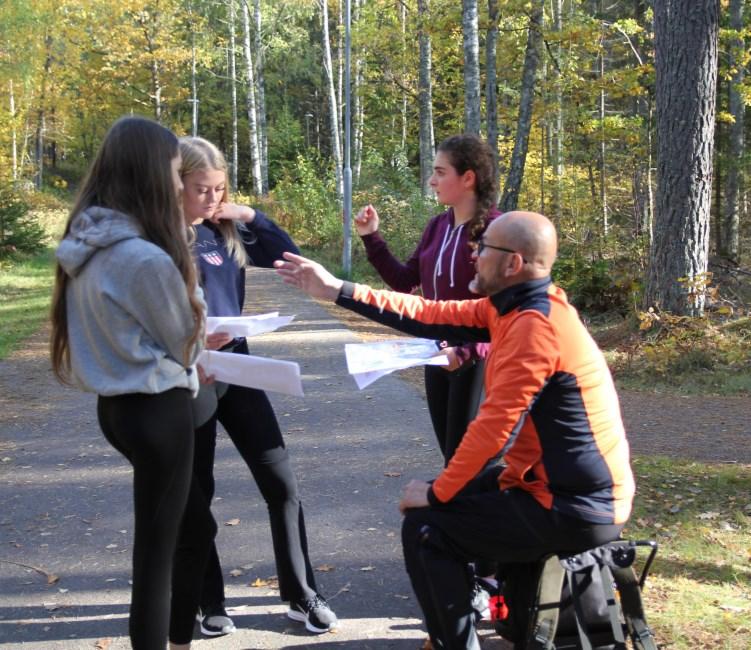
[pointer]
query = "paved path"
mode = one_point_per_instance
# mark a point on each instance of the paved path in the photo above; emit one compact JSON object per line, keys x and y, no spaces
{"x":66,"y":501}
{"x":66,"y":519}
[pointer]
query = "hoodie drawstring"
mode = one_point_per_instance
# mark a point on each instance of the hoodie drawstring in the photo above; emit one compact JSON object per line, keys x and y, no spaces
{"x":438,"y":270}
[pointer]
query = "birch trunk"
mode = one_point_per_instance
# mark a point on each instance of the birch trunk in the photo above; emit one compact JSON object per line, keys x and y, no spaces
{"x":233,"y":92}
{"x":557,"y":135}
{"x":255,"y":158}
{"x":425,"y":98}
{"x":471,"y":45}
{"x":13,"y":134}
{"x":263,"y":140}
{"x":336,"y":151}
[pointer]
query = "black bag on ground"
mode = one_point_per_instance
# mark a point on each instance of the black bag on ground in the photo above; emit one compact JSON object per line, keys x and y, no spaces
{"x":570,"y":602}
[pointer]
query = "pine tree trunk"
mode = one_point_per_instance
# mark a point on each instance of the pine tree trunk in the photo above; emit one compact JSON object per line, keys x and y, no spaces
{"x":425,"y":98}
{"x":491,"y":81}
{"x":357,"y":108}
{"x":736,"y":107}
{"x":336,"y":151}
{"x":515,"y":176}
{"x":686,"y":36}
{"x":255,"y":157}
{"x":471,"y":44}
{"x":556,"y":154}
{"x":263,"y":140}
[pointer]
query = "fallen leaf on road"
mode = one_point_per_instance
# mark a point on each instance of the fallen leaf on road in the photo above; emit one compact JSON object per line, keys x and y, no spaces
{"x":232,"y":522}
{"x":392,"y":474}
{"x":325,"y":568}
{"x":236,"y":573}
{"x":259,"y":582}
{"x":367,"y":568}
{"x":103,"y":644}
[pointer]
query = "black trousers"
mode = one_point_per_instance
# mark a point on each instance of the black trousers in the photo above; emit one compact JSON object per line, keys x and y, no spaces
{"x":247,"y":416}
{"x":453,"y":400}
{"x":486,"y":524}
{"x":155,"y":433}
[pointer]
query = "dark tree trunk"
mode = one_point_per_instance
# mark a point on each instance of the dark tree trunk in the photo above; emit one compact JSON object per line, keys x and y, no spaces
{"x":736,"y":146}
{"x":515,"y":176}
{"x":686,"y":33}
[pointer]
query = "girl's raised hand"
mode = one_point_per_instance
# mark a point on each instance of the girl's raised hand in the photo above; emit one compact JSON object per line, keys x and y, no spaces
{"x":366,"y":221}
{"x":241,"y":213}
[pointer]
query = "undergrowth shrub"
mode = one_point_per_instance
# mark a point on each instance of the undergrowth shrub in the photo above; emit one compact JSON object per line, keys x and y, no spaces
{"x":19,"y":231}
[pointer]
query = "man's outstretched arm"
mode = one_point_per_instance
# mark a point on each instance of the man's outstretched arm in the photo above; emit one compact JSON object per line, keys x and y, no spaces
{"x":308,"y":276}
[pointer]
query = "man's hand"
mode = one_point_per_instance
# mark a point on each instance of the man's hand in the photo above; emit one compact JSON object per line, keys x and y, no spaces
{"x":414,"y":495}
{"x":309,"y":276}
{"x":454,"y":362}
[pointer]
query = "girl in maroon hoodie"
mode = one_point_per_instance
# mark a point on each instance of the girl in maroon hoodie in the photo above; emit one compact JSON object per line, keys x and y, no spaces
{"x":441,"y":267}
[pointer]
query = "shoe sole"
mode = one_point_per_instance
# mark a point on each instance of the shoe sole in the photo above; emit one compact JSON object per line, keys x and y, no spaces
{"x":207,"y":632}
{"x":301,"y":618}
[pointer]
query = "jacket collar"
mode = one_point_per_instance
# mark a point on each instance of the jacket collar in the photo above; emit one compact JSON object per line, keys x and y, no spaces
{"x":517,"y":294}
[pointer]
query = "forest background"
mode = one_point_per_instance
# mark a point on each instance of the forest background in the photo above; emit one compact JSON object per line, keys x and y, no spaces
{"x":624,"y":121}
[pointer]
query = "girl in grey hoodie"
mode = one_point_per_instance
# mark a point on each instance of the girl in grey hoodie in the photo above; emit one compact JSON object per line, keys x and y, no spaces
{"x":127,"y":324}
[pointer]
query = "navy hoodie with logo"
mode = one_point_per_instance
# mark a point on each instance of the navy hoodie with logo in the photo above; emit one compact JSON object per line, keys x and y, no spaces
{"x":222,"y":279}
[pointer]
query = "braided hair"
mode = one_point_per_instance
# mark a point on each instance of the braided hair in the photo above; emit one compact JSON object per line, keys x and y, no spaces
{"x":468,"y":152}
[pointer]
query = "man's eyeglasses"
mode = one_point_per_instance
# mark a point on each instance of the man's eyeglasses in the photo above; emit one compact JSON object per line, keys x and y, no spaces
{"x":480,"y":246}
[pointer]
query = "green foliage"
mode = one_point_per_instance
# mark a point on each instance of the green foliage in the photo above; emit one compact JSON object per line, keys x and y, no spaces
{"x":305,"y":200}
{"x":597,"y":285}
{"x":19,"y":233}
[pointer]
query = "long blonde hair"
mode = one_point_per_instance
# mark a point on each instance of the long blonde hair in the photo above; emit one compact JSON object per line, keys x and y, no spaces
{"x":201,"y":155}
{"x":132,"y":174}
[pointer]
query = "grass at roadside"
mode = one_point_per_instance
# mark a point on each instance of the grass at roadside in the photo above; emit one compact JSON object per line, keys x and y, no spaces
{"x":25,"y":292}
{"x":699,"y":592}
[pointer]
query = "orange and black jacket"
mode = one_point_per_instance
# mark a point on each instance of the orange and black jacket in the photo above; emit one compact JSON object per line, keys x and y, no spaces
{"x":550,"y":408}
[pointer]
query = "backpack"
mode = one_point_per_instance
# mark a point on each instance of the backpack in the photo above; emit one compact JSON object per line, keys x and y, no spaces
{"x":569,"y":602}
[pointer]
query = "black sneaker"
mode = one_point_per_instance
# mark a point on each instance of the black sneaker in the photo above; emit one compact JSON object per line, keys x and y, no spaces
{"x":315,"y":613}
{"x":215,"y":622}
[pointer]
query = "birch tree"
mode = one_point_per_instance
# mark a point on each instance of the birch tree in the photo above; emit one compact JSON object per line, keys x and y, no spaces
{"x":425,"y":98}
{"x":255,"y":157}
{"x":233,"y":93}
{"x":336,"y":151}
{"x":471,"y":45}
{"x":263,"y":140}
{"x":686,"y":35}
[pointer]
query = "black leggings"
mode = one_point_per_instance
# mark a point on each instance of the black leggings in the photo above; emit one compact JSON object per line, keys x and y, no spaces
{"x":247,"y":416}
{"x":453,"y":400}
{"x":154,"y":432}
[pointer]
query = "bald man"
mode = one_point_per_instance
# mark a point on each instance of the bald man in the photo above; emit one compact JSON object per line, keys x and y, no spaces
{"x":551,"y":409}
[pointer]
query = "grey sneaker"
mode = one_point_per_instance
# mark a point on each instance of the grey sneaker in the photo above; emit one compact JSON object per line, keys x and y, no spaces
{"x":215,"y":622}
{"x":315,"y":613}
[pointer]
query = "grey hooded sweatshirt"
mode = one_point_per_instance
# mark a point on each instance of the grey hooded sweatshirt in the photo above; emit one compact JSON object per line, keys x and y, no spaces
{"x":127,"y":306}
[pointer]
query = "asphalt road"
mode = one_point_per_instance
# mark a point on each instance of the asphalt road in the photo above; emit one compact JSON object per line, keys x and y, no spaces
{"x":66,"y":517}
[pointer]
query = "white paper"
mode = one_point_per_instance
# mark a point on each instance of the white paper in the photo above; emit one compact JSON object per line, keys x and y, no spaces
{"x":238,"y":326}
{"x":253,"y":372}
{"x":367,"y":362}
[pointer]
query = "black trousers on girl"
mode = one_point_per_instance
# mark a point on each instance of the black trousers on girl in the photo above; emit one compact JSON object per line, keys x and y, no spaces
{"x":155,"y":433}
{"x":481,"y":522}
{"x":247,"y":416}
{"x":453,"y":400}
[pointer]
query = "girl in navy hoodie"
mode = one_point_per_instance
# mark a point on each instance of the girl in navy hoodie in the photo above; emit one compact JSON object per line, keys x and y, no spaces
{"x":228,"y":237}
{"x":441,"y":267}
